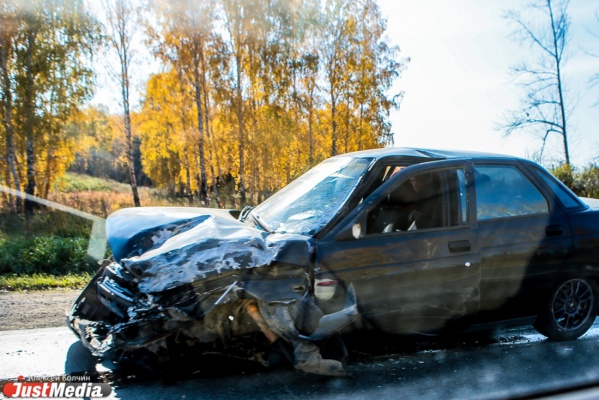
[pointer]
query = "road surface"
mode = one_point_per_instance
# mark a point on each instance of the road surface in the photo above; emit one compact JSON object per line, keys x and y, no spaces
{"x":511,"y":363}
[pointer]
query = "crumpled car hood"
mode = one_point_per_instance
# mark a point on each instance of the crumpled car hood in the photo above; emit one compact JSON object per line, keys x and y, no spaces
{"x":197,"y":279}
{"x":166,"y":247}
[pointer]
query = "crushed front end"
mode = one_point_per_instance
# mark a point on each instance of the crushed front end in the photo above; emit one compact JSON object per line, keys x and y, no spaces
{"x":205,"y":283}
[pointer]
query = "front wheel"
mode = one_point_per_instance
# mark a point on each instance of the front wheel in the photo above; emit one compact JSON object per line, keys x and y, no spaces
{"x":570,"y":310}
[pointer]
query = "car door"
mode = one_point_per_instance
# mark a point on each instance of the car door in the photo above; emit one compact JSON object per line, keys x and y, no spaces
{"x":524,"y":240}
{"x":409,"y":278}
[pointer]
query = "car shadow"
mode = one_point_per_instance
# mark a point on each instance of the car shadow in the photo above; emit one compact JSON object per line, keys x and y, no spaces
{"x":79,"y":361}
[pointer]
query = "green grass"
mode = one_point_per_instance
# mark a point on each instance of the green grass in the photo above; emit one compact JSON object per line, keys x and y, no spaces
{"x":72,"y":182}
{"x":48,"y":223}
{"x":46,"y":250}
{"x":14,"y":282}
{"x":45,"y":254}
{"x":45,"y":243}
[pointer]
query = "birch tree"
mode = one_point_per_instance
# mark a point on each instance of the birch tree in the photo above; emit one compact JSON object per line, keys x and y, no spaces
{"x":183,"y":38}
{"x":594,"y":80}
{"x":335,"y":59}
{"x":45,"y":77}
{"x":236,"y":21}
{"x":543,"y":110}
{"x":121,"y":27}
{"x":8,"y":33}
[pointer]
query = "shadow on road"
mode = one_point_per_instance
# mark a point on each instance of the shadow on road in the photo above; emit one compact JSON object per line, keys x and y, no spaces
{"x":79,"y":360}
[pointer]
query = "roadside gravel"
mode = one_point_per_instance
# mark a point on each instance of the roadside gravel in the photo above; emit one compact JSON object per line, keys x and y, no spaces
{"x":35,"y":309}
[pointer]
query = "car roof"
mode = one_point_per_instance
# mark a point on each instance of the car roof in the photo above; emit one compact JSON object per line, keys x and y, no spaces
{"x":411,"y":152}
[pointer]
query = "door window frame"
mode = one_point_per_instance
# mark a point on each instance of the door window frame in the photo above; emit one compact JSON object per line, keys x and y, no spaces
{"x":344,"y":230}
{"x":549,"y":199}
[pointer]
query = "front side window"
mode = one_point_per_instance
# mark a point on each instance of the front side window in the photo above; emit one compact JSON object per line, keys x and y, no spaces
{"x":422,"y":201}
{"x":504,"y":191}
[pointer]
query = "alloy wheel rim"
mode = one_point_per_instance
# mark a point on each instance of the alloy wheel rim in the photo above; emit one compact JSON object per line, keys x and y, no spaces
{"x":572,"y":303}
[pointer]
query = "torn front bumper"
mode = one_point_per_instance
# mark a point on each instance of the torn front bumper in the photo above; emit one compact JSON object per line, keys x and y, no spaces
{"x":241,"y":314}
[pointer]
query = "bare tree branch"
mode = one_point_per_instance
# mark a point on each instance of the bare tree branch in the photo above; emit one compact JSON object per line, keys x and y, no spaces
{"x":542,"y":108}
{"x":594,"y":79}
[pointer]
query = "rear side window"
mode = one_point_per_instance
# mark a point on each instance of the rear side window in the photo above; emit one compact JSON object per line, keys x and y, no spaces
{"x":504,"y":191}
{"x":565,"y":196}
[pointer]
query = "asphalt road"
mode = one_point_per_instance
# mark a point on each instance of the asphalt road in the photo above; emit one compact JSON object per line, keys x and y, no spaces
{"x":510,"y":363}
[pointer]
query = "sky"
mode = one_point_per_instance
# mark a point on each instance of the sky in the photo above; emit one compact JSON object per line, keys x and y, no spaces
{"x":458,"y":84}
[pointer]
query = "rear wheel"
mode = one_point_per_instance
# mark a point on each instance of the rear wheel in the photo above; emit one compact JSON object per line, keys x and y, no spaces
{"x":570,"y":310}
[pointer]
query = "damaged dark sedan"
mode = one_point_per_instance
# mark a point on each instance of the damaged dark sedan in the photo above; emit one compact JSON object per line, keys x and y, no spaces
{"x":398,"y":240}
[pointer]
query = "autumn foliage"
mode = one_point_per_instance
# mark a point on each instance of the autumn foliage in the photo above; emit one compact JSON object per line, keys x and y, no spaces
{"x":250,"y":94}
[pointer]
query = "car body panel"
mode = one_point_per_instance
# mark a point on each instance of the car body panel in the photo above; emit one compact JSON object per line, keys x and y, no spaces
{"x":405,"y":249}
{"x":408,"y":281}
{"x":183,"y":247}
{"x":408,"y":284}
{"x":584,"y":255}
{"x":133,"y":231}
{"x":521,"y":255}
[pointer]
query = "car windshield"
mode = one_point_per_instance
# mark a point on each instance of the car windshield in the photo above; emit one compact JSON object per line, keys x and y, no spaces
{"x":309,"y":202}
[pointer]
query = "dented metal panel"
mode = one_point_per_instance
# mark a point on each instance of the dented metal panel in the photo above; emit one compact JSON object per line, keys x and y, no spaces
{"x":200,"y":275}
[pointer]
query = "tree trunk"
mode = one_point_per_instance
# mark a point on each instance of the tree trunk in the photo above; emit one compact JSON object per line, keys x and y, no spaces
{"x":30,"y":187}
{"x":333,"y":125}
{"x":188,"y":191}
{"x":360,"y":133}
{"x":557,"y":56}
{"x":241,"y":132}
{"x":198,"y":99}
{"x":215,"y":187}
{"x":209,"y":134}
{"x":197,"y":173}
{"x":10,"y":198}
{"x":121,"y":43}
{"x":311,"y":136}
{"x":129,"y":137}
{"x":128,"y":131}
{"x":47,"y":173}
{"x":9,"y":130}
{"x":29,"y":124}
{"x":347,"y":129}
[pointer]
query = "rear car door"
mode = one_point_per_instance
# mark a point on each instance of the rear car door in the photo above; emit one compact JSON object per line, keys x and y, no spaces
{"x":409,"y":250}
{"x":524,"y":239}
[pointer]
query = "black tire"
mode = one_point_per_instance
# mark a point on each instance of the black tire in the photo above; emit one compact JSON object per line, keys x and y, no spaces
{"x":570,"y":310}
